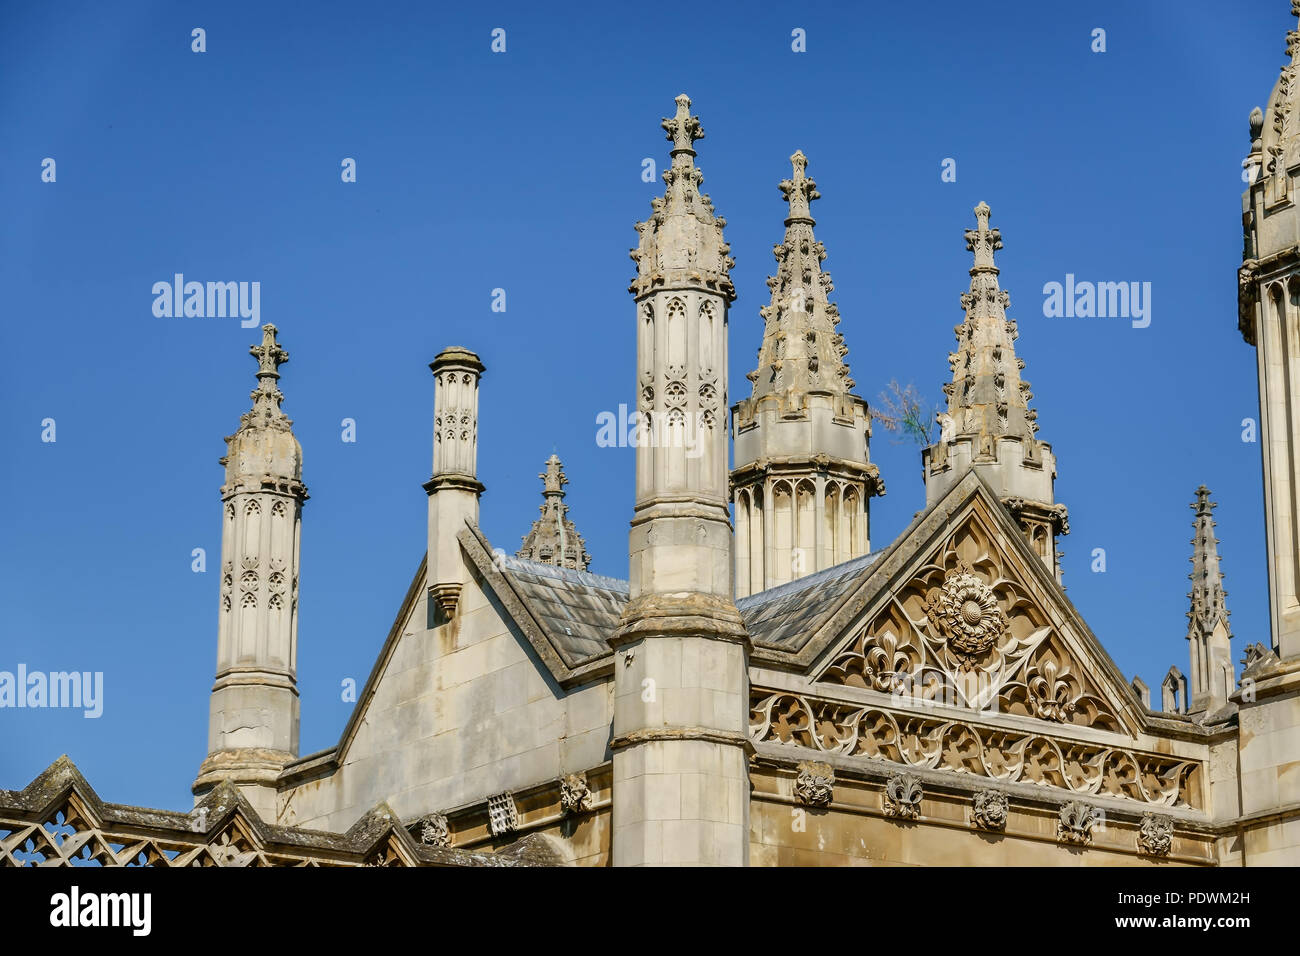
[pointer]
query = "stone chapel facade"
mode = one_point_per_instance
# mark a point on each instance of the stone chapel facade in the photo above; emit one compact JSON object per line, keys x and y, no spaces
{"x":765,"y":688}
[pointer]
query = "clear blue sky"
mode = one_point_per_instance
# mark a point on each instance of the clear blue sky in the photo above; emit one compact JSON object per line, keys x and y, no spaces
{"x":522,"y":171}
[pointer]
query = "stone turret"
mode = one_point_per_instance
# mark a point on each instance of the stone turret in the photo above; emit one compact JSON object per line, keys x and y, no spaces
{"x":803,"y":477}
{"x":680,"y":744}
{"x":454,"y":489}
{"x":1268,"y":313}
{"x":989,"y":424}
{"x":253,"y":718}
{"x":1212,"y":677}
{"x":553,"y":538}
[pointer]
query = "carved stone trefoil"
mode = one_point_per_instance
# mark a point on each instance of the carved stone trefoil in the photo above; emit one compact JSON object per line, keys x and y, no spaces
{"x":432,"y":829}
{"x":1076,"y":822}
{"x":989,"y":810}
{"x":1155,"y":834}
{"x":503,"y":815}
{"x":575,"y":794}
{"x":967,"y":613}
{"x":815,"y":785}
{"x":902,"y":797}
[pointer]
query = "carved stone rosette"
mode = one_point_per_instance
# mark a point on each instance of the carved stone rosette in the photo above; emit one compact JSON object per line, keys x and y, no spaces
{"x":433,"y":830}
{"x":1155,"y":834}
{"x":1076,"y":821}
{"x":902,"y":797}
{"x":815,"y":785}
{"x":989,"y":810}
{"x":966,"y":611}
{"x":575,"y":794}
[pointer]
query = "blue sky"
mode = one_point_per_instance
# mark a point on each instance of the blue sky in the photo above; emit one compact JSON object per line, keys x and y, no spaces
{"x":522,"y":171}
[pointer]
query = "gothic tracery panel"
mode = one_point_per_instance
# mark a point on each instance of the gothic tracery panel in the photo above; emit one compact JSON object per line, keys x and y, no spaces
{"x":966,"y":632}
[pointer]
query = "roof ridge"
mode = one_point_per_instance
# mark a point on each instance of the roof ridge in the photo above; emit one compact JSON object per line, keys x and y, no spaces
{"x":567,"y":574}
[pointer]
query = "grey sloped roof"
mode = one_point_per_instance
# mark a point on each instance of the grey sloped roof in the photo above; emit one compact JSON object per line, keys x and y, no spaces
{"x":580,"y":611}
{"x":785,"y":616}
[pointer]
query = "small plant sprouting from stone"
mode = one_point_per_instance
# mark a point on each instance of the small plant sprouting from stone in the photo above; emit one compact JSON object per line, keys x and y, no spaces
{"x":902,"y":410}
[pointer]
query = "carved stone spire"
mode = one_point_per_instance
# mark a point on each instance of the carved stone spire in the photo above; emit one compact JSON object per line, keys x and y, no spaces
{"x":682,"y":240}
{"x":553,"y":538}
{"x":987,"y":398}
{"x":1207,"y":594}
{"x":989,"y":423}
{"x":1212,"y":675}
{"x":802,"y":475}
{"x":801,"y":351}
{"x":253,"y":719}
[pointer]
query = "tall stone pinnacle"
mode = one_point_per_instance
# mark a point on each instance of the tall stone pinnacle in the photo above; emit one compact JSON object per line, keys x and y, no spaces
{"x":987,"y":398}
{"x":553,"y":538}
{"x":1212,"y":674}
{"x":1208,"y":607}
{"x":801,"y":352}
{"x":989,"y":425}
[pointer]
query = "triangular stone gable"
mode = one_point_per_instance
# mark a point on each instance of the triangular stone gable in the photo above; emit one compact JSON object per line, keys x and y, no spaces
{"x":962,"y":612}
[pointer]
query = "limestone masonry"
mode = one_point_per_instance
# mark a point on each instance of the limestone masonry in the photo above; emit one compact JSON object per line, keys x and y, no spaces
{"x":765,"y":688}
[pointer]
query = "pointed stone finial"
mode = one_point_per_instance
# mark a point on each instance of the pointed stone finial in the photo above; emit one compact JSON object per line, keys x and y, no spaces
{"x":683,"y":129}
{"x":682,"y":241}
{"x":799,"y":191}
{"x":553,"y":538}
{"x":269,"y":355}
{"x":266,"y":411}
{"x":801,"y":352}
{"x":1208,"y":605}
{"x":983,"y":241}
{"x":553,"y":478}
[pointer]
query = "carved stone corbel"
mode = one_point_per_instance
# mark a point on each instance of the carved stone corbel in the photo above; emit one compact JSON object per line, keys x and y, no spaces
{"x":815,"y":784}
{"x":902,"y":797}
{"x":989,"y":810}
{"x":1155,"y":834}
{"x":1075,"y":822}
{"x":575,"y":794}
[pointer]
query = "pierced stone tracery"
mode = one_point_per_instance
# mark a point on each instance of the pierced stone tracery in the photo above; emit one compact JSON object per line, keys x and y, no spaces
{"x":966,"y":632}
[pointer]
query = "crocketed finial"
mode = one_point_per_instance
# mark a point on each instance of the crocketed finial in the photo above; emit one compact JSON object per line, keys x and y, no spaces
{"x":683,"y":129}
{"x":799,"y":191}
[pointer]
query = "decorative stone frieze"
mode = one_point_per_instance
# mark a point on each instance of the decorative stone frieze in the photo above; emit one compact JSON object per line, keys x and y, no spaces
{"x":970,"y":748}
